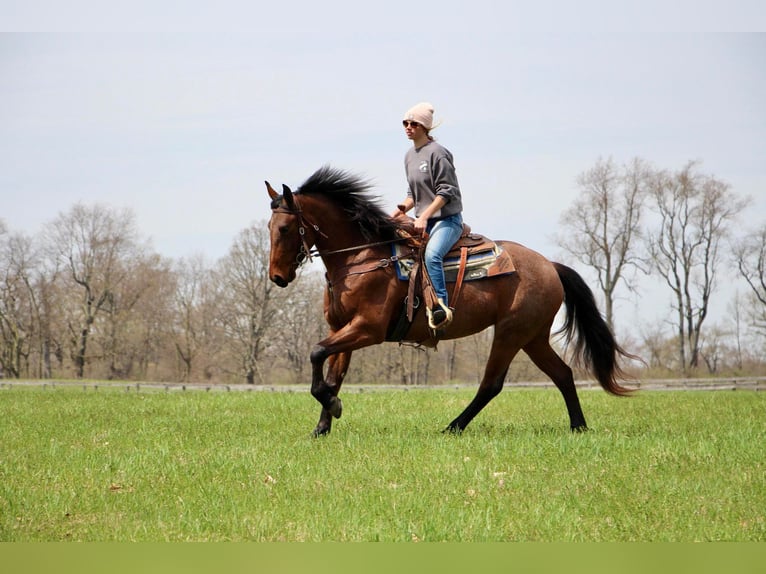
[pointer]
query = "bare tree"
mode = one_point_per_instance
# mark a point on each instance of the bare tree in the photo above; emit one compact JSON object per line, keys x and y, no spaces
{"x":750,"y":255}
{"x":27,"y":293}
{"x":695,"y":213}
{"x":603,"y":225}
{"x":249,"y":300}
{"x":152,"y":318}
{"x":16,"y":309}
{"x":657,"y":349}
{"x":713,"y":348}
{"x":91,"y":242}
{"x":127,"y":323}
{"x":195,"y":330}
{"x":736,"y":321}
{"x":46,"y":289}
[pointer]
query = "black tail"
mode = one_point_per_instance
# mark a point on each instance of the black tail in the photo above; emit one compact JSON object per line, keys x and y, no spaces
{"x":594,"y":346}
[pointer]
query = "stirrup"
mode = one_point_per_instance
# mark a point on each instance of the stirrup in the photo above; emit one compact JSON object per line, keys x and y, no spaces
{"x":445,"y":321}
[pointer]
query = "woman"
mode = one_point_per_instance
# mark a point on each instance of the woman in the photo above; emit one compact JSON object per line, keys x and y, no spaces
{"x":434,"y":193}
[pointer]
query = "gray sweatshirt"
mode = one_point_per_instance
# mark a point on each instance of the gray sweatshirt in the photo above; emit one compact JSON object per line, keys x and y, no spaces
{"x":431,"y":172}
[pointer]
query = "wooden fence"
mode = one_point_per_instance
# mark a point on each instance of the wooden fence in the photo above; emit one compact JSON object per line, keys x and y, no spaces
{"x":718,"y":384}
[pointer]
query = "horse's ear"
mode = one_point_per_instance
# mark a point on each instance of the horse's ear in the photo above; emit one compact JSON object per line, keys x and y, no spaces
{"x":288,"y":195}
{"x":272,"y":194}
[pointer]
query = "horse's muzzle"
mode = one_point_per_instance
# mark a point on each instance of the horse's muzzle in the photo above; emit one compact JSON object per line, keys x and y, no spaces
{"x":279,"y":280}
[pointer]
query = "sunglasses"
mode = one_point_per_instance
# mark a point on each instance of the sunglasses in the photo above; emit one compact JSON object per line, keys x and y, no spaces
{"x":407,"y":124}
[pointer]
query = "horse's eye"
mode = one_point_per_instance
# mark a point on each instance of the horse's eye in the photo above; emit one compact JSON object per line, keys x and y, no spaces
{"x":283,"y":229}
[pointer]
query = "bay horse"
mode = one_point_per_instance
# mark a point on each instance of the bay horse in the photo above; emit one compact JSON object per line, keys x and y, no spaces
{"x":334,"y":216}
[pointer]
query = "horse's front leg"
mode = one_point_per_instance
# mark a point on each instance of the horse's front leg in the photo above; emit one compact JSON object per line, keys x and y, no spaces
{"x":336,"y":372}
{"x":337,"y":348}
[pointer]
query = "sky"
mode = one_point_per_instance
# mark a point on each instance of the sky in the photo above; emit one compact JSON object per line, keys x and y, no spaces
{"x":180,"y":112}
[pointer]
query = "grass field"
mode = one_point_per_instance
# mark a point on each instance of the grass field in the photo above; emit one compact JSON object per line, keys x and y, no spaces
{"x":111,"y":465}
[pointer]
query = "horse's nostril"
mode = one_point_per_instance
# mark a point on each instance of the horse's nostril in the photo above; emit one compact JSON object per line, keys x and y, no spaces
{"x":279,"y":280}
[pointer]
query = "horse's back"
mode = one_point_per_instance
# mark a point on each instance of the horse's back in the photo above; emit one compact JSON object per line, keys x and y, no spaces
{"x":538,"y":280}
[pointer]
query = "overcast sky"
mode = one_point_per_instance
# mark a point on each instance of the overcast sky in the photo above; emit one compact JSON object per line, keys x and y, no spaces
{"x":183,"y":128}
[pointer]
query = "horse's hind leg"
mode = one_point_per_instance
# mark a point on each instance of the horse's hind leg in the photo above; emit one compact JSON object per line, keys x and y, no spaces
{"x":500,"y":358}
{"x":550,"y":363}
{"x":337,"y":365}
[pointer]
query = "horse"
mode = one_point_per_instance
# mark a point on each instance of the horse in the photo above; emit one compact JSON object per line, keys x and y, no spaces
{"x":334,"y":215}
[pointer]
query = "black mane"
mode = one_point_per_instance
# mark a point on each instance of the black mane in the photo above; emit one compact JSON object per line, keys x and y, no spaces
{"x":352,"y":194}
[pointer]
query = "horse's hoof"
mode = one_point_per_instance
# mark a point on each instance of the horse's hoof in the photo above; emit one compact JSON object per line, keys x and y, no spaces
{"x":336,"y":407}
{"x":320,"y":431}
{"x":580,"y":429}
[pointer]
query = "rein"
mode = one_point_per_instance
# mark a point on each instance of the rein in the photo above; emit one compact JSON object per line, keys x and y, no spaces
{"x":357,"y":247}
{"x":307,"y":252}
{"x":361,"y":268}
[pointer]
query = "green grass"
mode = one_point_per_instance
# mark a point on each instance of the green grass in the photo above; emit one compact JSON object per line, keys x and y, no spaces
{"x":152,"y":466}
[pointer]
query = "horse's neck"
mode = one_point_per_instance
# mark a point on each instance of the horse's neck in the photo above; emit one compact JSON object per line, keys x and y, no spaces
{"x":341,"y":244}
{"x":333,"y":231}
{"x":344,"y":253}
{"x":338,"y":240}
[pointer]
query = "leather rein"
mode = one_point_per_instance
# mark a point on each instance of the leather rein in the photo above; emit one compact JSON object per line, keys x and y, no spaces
{"x":307,"y":252}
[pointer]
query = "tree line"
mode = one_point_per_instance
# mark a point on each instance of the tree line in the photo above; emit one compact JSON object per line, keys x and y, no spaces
{"x":88,"y":297}
{"x":680,"y":228}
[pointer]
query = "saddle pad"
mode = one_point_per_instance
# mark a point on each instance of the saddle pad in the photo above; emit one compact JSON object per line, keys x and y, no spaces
{"x":487,"y":263}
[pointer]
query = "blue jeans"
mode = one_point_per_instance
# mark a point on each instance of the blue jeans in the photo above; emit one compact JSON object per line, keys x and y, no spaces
{"x":442,"y":236}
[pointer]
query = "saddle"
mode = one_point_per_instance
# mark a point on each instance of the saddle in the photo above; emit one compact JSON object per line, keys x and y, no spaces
{"x":473,"y":257}
{"x":473,"y":242}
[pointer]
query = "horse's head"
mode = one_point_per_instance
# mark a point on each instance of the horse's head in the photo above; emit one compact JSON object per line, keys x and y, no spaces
{"x":342,"y":203}
{"x":289,"y":245}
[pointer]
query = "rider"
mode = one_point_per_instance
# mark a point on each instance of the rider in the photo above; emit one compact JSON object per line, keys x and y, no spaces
{"x":434,"y":193}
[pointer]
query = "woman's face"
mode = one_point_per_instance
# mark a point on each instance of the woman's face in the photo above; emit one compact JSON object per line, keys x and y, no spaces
{"x":413,"y":129}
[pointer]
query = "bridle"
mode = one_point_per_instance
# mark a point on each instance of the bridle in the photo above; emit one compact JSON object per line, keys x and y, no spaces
{"x":306,"y":252}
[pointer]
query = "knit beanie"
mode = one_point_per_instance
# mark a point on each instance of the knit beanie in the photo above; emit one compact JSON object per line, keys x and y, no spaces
{"x":423,"y":113}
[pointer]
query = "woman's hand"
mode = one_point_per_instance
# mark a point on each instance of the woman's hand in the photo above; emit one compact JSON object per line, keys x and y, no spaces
{"x":421,"y":223}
